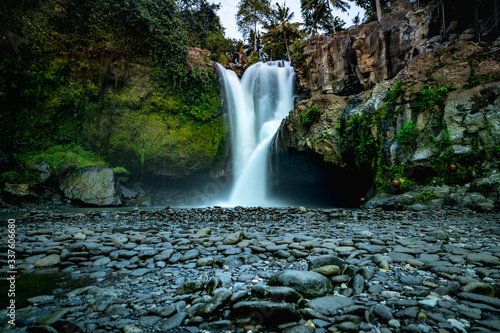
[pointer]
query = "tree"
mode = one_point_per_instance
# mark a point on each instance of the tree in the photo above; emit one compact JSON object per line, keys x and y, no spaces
{"x":316,"y":15}
{"x":281,"y":18}
{"x":379,"y":10}
{"x":356,"y":19}
{"x":316,"y":12}
{"x":200,"y":21}
{"x":373,"y":8}
{"x":337,"y":4}
{"x":250,"y":14}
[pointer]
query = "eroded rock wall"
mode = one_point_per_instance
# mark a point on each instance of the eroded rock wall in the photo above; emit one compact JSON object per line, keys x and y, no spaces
{"x":426,"y":125}
{"x":366,"y":54}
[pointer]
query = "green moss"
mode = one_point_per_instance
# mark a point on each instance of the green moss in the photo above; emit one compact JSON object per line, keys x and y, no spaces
{"x":11,"y":177}
{"x":430,"y":97}
{"x":358,"y":144}
{"x":395,"y":92}
{"x":408,"y":134}
{"x":310,"y":116}
{"x":426,"y":195}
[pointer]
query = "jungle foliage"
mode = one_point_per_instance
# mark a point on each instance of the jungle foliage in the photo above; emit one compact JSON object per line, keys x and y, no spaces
{"x":64,"y":64}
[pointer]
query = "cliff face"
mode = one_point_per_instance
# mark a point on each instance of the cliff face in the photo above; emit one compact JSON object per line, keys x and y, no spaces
{"x":367,"y":54}
{"x":425,"y":126}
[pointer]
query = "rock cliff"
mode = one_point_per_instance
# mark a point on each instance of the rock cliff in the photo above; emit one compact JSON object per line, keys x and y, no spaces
{"x":424,"y":126}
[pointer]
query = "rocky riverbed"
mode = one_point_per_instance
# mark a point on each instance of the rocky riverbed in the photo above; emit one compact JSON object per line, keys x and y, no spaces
{"x":262,"y":269}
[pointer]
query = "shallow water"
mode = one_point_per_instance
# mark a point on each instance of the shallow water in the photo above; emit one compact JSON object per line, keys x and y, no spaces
{"x":41,"y":282}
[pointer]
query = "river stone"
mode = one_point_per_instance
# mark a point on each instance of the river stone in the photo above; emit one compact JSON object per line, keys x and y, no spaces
{"x":191,"y":287}
{"x":400,"y":257}
{"x":483,"y":258}
{"x":132,"y":329}
{"x":139,"y":272}
{"x":174,"y":321}
{"x":92,"y":185}
{"x":264,"y":312}
{"x":233,"y":238}
{"x":221,"y":297}
{"x":101,"y":262}
{"x":204,"y":231}
{"x":325,"y":260}
{"x":276,"y":294}
{"x":80,"y":235}
{"x":493,"y":301}
{"x":205,"y":261}
{"x":116,"y":309}
{"x":309,"y":284}
{"x":438,"y":234}
{"x":358,"y":284}
{"x":190,"y":254}
{"x":327,"y":270}
{"x":40,"y":299}
{"x":328,"y":304}
{"x":48,"y":261}
{"x":481,"y":288}
{"x":349,"y":327}
{"x":383,"y":312}
{"x":54,"y":316}
{"x":300,"y":329}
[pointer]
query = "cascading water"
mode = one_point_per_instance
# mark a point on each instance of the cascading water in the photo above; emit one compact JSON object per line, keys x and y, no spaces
{"x":256,"y":105}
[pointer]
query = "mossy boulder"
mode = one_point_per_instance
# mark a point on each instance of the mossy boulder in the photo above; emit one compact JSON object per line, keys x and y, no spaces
{"x":92,"y":186}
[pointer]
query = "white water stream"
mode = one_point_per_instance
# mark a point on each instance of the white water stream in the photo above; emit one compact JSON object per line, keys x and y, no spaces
{"x":256,"y":105}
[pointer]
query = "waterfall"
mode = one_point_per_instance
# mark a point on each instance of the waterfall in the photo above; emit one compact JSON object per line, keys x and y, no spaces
{"x":256,"y":106}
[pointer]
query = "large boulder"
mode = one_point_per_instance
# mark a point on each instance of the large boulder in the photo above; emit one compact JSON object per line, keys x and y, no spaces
{"x":309,"y":284}
{"x":93,"y":186}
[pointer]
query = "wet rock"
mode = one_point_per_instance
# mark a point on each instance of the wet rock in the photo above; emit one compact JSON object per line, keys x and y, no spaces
{"x":48,"y":261}
{"x":132,"y":329}
{"x":276,"y":294}
{"x":309,"y":284}
{"x":54,"y":316}
{"x":383,"y":312}
{"x":327,"y":270}
{"x":233,"y":238}
{"x":358,"y":284}
{"x":191,"y":287}
{"x":92,"y":185}
{"x":325,"y":260}
{"x":348,"y":327}
{"x":300,"y":329}
{"x":268,"y":313}
{"x":495,"y":302}
{"x":328,"y":304}
{"x":481,"y":288}
{"x":191,"y":254}
{"x":174,"y":321}
{"x":483,"y":258}
{"x":218,"y":325}
{"x":220,"y":298}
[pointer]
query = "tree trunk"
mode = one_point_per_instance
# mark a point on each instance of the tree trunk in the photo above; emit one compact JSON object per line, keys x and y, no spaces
{"x":286,"y":45}
{"x":331,"y":16}
{"x":379,"y":10}
{"x":476,"y":23}
{"x":255,"y":38}
{"x":495,"y":6}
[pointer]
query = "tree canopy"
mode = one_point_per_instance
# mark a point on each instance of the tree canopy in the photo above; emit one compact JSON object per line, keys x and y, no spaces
{"x":251,"y":14}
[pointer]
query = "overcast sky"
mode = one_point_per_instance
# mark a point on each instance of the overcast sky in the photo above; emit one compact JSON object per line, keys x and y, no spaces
{"x":229,"y":8}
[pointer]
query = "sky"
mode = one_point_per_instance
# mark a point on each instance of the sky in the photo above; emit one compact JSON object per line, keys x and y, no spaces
{"x":229,"y":8}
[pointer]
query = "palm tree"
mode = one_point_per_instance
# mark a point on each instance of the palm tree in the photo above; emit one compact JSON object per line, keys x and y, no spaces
{"x":356,"y":20}
{"x":338,"y":4}
{"x":282,"y":16}
{"x":379,"y":10}
{"x":315,"y":11}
